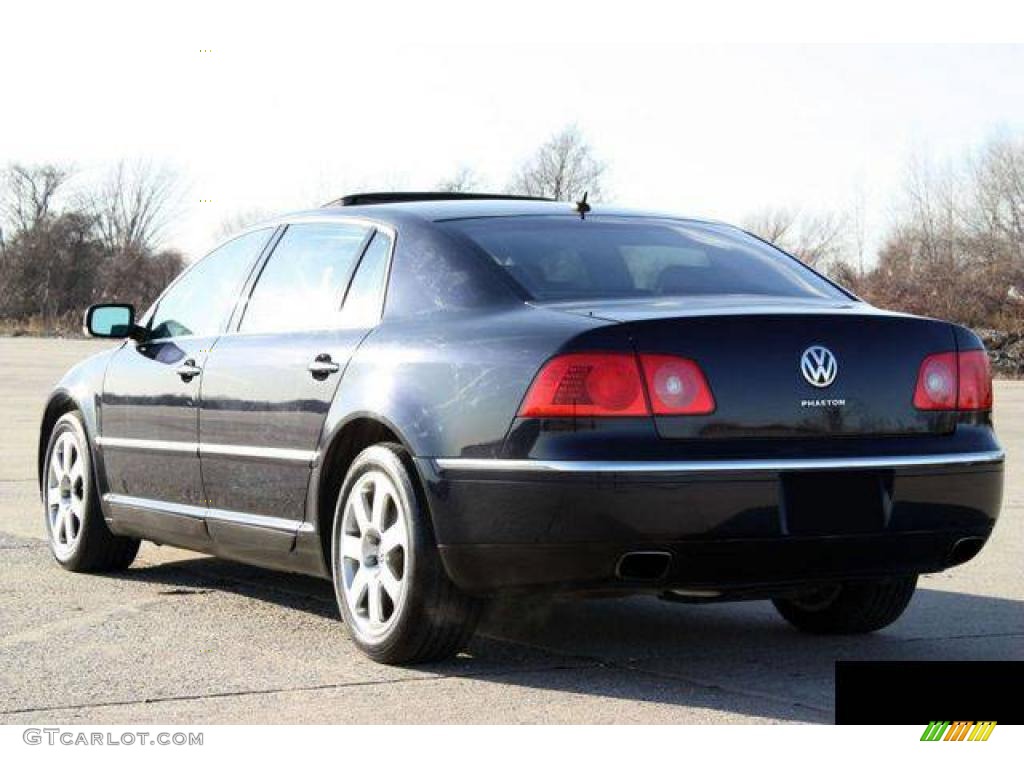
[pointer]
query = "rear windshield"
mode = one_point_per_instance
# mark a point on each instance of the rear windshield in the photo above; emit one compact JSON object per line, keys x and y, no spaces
{"x":567,"y":259}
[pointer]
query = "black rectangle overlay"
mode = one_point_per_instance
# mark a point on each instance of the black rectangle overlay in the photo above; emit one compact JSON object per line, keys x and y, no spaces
{"x":918,"y":692}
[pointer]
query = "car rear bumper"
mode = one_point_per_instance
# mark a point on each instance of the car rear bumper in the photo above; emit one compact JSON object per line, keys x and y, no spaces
{"x":730,"y":526}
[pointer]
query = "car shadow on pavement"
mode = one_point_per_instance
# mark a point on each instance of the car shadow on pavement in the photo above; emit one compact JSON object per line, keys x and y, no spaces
{"x":739,"y":658}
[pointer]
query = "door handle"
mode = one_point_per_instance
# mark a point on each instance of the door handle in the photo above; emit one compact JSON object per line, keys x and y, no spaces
{"x":322,"y":367}
{"x":188,"y":370}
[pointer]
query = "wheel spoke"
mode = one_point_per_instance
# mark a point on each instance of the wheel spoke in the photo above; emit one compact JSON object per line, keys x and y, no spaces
{"x":74,"y":522}
{"x":360,"y":582}
{"x":393,"y":537}
{"x":75,"y":470}
{"x":390,"y":584}
{"x":380,"y":500}
{"x":360,"y":511}
{"x":60,"y":525}
{"x":375,"y":605}
{"x":53,"y":495}
{"x":351,"y":547}
{"x":58,"y":456}
{"x":67,"y":453}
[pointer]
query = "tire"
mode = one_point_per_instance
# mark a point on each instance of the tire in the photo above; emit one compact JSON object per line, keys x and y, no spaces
{"x":397,"y":602}
{"x":851,"y":608}
{"x":75,"y":529}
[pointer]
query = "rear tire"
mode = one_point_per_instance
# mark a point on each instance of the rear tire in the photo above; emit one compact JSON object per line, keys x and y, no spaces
{"x":850,"y":608}
{"x":76,"y":531}
{"x":396,"y":600}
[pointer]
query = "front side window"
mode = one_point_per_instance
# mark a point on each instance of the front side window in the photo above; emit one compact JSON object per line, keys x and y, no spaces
{"x":303,"y":283}
{"x":200,"y":302}
{"x":558,"y":258}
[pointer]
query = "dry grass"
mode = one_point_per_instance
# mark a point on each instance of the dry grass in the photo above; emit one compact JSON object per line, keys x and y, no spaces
{"x":67,"y":326}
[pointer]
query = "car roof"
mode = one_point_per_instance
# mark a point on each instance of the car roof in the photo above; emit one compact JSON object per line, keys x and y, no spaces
{"x":395,"y":213}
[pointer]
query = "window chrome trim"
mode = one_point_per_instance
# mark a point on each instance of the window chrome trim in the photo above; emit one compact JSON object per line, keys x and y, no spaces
{"x":743,"y":465}
{"x":211,"y":449}
{"x":203,"y":513}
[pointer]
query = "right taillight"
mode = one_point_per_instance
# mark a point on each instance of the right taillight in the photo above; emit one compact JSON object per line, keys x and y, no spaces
{"x":676,"y":386}
{"x":951,"y":381}
{"x":610,"y":384}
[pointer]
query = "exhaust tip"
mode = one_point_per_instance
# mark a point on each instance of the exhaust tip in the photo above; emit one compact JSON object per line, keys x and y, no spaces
{"x":964,"y":550}
{"x":643,"y":566}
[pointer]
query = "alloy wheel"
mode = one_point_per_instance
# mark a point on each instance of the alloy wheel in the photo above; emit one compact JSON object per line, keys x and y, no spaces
{"x":374,"y":553}
{"x":66,"y":492}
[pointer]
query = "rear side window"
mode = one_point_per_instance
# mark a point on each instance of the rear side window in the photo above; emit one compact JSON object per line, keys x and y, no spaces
{"x":363,"y":301}
{"x":303,"y":282}
{"x":567,"y":259}
{"x":199,"y":303}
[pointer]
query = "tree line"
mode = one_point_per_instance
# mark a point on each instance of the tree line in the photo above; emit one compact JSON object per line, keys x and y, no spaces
{"x":953,"y":246}
{"x":64,"y":247}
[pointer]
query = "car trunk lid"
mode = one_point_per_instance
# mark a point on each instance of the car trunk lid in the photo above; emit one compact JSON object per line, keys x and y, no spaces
{"x":769,"y":375}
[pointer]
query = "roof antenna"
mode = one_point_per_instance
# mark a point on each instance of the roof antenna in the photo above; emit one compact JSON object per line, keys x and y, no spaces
{"x":582,"y":206}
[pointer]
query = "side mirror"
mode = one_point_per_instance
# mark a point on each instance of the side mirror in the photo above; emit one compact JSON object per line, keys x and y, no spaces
{"x":112,"y":321}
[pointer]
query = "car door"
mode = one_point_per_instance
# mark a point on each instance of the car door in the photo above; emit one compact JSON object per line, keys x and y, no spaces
{"x":268,"y":385}
{"x":149,"y":404}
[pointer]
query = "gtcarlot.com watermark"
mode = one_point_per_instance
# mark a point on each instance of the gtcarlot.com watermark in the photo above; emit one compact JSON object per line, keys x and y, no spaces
{"x":82,"y":738}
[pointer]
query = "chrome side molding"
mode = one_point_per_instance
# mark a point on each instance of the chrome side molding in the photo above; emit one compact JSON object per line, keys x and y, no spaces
{"x":258,"y":452}
{"x":203,"y":513}
{"x":154,"y":446}
{"x":742,"y":465}
{"x":211,"y":449}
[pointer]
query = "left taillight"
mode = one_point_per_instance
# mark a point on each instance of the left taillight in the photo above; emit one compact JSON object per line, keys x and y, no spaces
{"x":587,"y":384}
{"x":603,"y":384}
{"x":975,"y":387}
{"x":954,"y":381}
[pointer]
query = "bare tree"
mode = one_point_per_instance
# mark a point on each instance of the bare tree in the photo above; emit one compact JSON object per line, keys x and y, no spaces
{"x":29,"y":192}
{"x":239,"y":220}
{"x":133,"y":205}
{"x":956,"y":249}
{"x":465,"y":179}
{"x":564,"y":168}
{"x":771,"y":224}
{"x":997,"y":213}
{"x":821,"y":239}
{"x":816,"y":239}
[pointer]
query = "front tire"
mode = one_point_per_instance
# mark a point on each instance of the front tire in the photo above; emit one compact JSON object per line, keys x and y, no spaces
{"x":851,"y":608}
{"x":392,"y":590}
{"x":77,"y":533}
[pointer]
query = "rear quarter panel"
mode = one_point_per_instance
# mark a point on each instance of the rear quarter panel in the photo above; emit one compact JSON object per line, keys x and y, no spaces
{"x":450,"y":383}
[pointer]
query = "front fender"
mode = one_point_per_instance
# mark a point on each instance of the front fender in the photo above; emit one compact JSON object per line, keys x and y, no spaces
{"x":79,"y":389}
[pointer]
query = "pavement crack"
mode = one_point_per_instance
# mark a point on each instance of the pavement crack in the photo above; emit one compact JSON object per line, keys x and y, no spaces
{"x":424,"y":678}
{"x":45,"y":631}
{"x":630,"y":666}
{"x":979,"y":636}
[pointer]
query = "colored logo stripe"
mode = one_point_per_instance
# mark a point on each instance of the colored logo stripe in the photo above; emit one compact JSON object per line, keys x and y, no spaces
{"x":958,"y":731}
{"x":982,"y":731}
{"x":941,"y":730}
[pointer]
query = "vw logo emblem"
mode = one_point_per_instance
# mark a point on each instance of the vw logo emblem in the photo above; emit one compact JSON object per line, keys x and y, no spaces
{"x":819,"y":366}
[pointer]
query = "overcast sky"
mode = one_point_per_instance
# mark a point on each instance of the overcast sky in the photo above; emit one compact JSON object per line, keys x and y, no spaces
{"x":297,"y":105}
